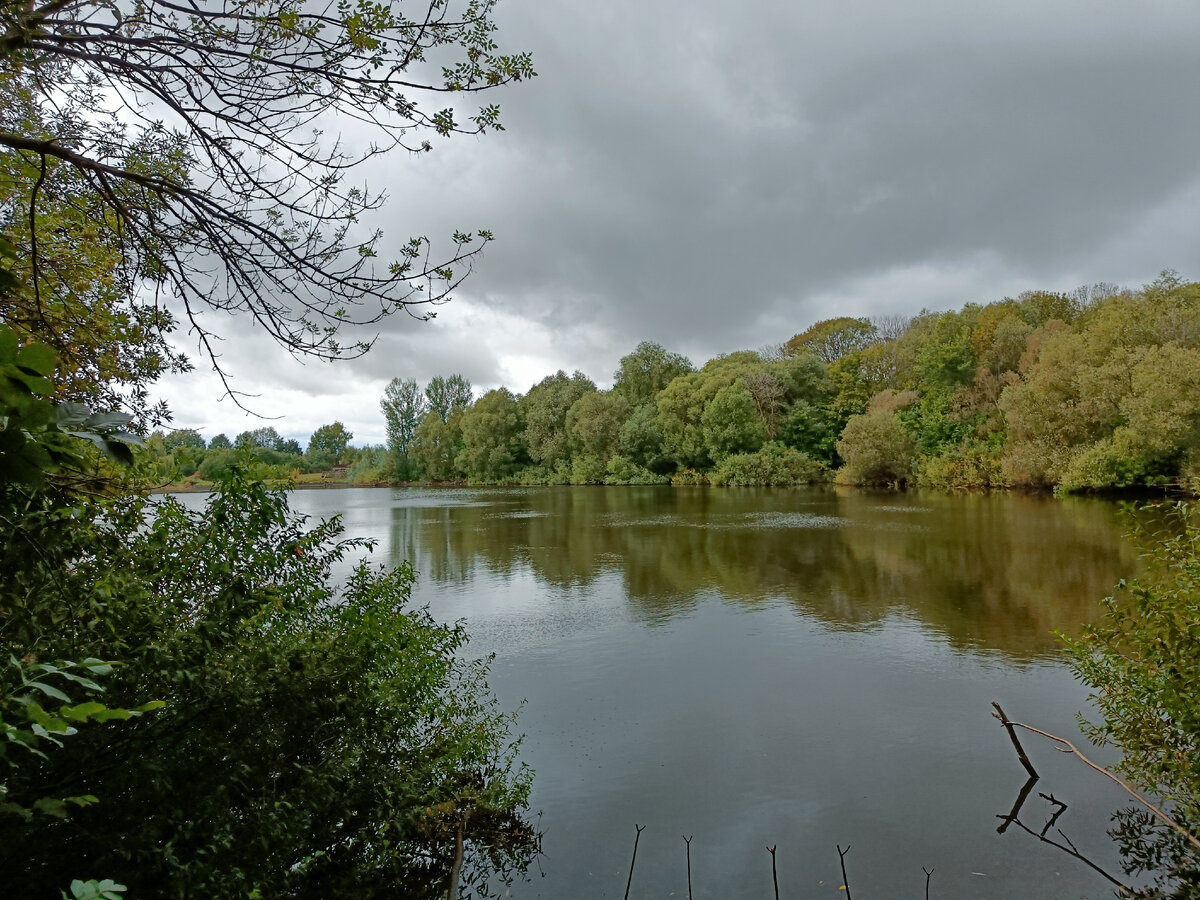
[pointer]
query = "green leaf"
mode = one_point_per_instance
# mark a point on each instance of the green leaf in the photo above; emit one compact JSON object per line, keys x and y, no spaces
{"x":8,"y":345}
{"x":110,"y":714}
{"x":106,"y":421}
{"x":71,"y":414}
{"x":117,"y":452}
{"x":50,"y":691}
{"x":82,"y":711}
{"x":51,"y":807}
{"x":37,"y":357}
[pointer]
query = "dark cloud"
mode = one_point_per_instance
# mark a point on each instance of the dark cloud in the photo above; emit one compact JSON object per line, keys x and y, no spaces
{"x":717,"y":177}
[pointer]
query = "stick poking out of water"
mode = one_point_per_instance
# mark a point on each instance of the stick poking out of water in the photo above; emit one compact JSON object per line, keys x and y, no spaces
{"x":640,"y":829}
{"x":842,"y":859}
{"x":687,"y":839}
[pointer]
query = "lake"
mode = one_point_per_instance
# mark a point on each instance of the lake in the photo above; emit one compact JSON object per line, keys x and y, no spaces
{"x":798,"y":668}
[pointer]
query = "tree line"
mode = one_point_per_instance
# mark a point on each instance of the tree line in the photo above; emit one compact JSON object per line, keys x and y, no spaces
{"x":184,"y":455}
{"x":1088,"y":390}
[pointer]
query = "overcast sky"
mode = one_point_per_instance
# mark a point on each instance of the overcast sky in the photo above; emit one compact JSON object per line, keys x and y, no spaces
{"x":718,"y":176}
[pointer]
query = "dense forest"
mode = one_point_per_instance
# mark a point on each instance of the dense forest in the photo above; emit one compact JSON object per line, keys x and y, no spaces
{"x":1096,"y":389}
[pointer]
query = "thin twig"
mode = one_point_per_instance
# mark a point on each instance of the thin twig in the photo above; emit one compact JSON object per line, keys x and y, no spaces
{"x":842,"y":859}
{"x":774,"y":872}
{"x":640,"y":829}
{"x":688,"y":841}
{"x":928,"y":875}
{"x":1061,"y":808}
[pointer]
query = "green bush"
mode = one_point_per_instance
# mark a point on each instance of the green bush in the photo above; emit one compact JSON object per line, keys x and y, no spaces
{"x":588,"y":469}
{"x":318,"y":740}
{"x":965,"y":466}
{"x":877,"y":450}
{"x":774,"y":464}
{"x":1142,"y":661}
{"x":623,"y":470}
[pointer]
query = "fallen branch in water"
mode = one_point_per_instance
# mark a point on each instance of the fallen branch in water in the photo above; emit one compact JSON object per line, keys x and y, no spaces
{"x":1068,"y":747}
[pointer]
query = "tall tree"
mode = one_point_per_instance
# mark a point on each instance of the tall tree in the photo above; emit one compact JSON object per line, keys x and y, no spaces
{"x":402,"y":405}
{"x":447,"y":394}
{"x":186,"y":130}
{"x":331,"y":440}
{"x":647,"y":370}
{"x":544,"y":410}
{"x":492,"y":444}
{"x":831,"y":339}
{"x":266,"y":437}
{"x":436,"y":446}
{"x":184,"y":437}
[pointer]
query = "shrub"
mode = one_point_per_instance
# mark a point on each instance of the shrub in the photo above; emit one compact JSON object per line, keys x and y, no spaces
{"x":623,"y":470}
{"x":318,"y":740}
{"x":1142,"y":661}
{"x":774,"y":464}
{"x":877,"y":450}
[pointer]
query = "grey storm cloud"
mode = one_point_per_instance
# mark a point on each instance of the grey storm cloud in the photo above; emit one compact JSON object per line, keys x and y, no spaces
{"x":674,"y":172}
{"x":718,"y":176}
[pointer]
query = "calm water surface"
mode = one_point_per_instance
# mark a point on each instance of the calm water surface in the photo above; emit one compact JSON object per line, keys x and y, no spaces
{"x":798,"y":668}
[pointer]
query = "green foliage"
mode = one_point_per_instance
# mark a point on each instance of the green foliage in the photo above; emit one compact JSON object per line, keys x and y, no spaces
{"x":318,"y":739}
{"x":808,"y":429}
{"x":935,"y":423}
{"x":265,"y":438}
{"x":77,"y":301}
{"x":773,"y":464}
{"x":38,"y":713}
{"x":622,"y":470}
{"x":448,"y":395}
{"x":220,"y":442}
{"x":877,"y":450}
{"x":832,"y":339}
{"x":588,"y":469}
{"x":646,"y":371}
{"x":437,"y":444}
{"x":682,"y":403}
{"x":184,"y":437}
{"x":641,"y":440}
{"x":493,"y":446}
{"x":731,"y":423}
{"x":594,"y":424}
{"x":370,"y":465}
{"x":331,"y":439}
{"x":95,"y":890}
{"x":946,"y":358}
{"x":36,"y":434}
{"x":544,"y":412}
{"x":968,"y":465}
{"x":1142,"y":662}
{"x":402,"y":405}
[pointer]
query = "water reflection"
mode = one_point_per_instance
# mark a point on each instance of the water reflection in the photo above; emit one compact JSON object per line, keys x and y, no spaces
{"x":997,"y":573}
